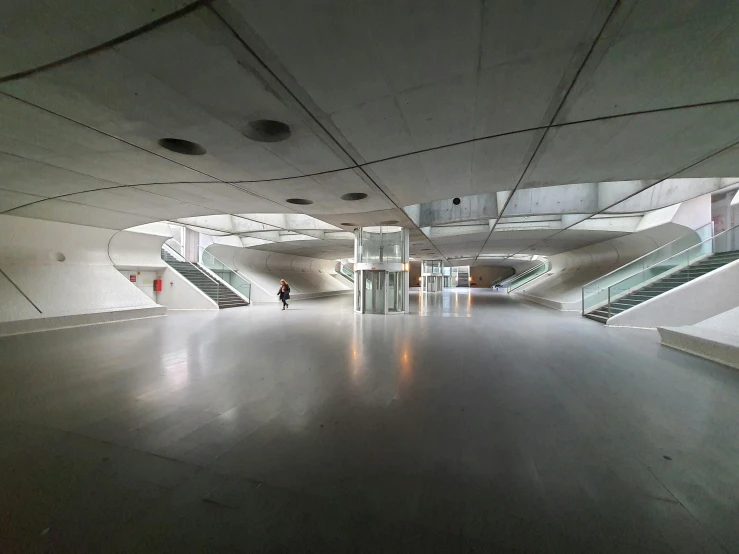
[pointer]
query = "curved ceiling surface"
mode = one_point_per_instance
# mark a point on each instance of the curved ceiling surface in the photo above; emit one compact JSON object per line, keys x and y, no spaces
{"x":408,"y":103}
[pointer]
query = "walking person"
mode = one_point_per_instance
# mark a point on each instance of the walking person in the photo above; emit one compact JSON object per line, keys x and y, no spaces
{"x":284,"y":293}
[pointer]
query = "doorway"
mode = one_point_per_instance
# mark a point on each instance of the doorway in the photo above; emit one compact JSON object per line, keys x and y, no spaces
{"x":373,"y":292}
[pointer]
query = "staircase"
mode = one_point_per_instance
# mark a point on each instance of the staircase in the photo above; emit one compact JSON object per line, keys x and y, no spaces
{"x":217,"y":291}
{"x":665,"y":284}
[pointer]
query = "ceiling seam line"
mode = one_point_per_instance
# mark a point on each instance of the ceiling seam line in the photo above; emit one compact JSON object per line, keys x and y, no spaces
{"x":584,"y":62}
{"x":151,"y":26}
{"x":313,"y":117}
{"x":358,"y":166}
{"x":137,"y":147}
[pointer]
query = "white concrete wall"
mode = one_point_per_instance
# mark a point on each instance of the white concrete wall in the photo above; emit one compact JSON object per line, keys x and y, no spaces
{"x":688,"y":304}
{"x":561,"y":287}
{"x":138,"y":252}
{"x":144,"y":281}
{"x":65,"y":271}
{"x":308,"y":277}
{"x":716,"y":338}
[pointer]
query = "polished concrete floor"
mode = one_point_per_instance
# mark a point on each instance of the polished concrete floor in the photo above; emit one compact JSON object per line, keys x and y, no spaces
{"x":475,"y":424}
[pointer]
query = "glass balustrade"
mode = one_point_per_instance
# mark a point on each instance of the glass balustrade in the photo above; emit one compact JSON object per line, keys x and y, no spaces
{"x":683,"y":261}
{"x":520,"y":280}
{"x":595,"y":293}
{"x":225,"y":273}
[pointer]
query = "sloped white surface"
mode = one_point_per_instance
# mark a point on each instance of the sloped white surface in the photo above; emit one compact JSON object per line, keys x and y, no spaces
{"x":307,"y":276}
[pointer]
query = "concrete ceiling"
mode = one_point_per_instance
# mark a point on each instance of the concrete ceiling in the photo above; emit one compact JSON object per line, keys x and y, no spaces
{"x":406,"y":102}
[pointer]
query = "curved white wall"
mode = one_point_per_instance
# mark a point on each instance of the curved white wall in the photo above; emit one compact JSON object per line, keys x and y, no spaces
{"x":54,"y":272}
{"x":715,"y":338}
{"x":308,"y":277}
{"x":561,"y":287}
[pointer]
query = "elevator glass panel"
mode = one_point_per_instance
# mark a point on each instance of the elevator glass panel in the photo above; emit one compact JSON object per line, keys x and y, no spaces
{"x":391,"y":288}
{"x":374,"y":292}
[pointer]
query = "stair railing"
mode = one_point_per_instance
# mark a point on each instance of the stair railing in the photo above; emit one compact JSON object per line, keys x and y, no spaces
{"x":595,"y":293}
{"x":346,"y":271}
{"x":236,"y":282}
{"x":176,"y":254}
{"x":725,"y":241}
{"x":517,"y":281}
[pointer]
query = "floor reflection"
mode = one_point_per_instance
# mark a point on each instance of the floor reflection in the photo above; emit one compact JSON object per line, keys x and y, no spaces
{"x":454,"y":302}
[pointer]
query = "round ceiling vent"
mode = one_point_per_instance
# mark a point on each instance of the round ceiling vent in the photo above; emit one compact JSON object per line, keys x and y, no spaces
{"x":351,"y":196}
{"x":267,"y":130}
{"x":389,"y":222}
{"x":456,"y":201}
{"x":299,"y":201}
{"x":182,"y":146}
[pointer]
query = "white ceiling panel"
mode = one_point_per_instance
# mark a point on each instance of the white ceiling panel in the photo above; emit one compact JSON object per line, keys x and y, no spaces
{"x":517,"y":95}
{"x":361,"y":125}
{"x":324,"y":191}
{"x":43,"y":31}
{"x":10,"y":199}
{"x":367,"y":219}
{"x":219,"y":197}
{"x":69,"y":212}
{"x":210,"y":53}
{"x":38,"y":178}
{"x":440,"y":113}
{"x":428,"y":176}
{"x":36,"y":134}
{"x":408,"y":89}
{"x":667,"y":54}
{"x":499,"y":162}
{"x":130,"y":167}
{"x":725,"y":164}
{"x":108,"y":92}
{"x":135,"y":201}
{"x":647,"y":146}
{"x":484,"y":166}
{"x":353,"y":52}
{"x":525,"y":30}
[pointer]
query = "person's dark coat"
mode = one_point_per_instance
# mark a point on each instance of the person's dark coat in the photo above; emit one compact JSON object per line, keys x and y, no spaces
{"x":284,"y":292}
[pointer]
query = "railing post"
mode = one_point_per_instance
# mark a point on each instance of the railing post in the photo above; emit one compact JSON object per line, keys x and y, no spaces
{"x":609,"y":303}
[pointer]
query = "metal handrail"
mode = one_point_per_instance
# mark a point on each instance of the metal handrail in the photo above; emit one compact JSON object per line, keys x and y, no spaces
{"x":178,"y":255}
{"x":644,"y":256}
{"x":544,"y":264}
{"x":182,"y":258}
{"x":517,"y":275}
{"x":346,"y":271}
{"x":229,"y":268}
{"x":713,"y":237}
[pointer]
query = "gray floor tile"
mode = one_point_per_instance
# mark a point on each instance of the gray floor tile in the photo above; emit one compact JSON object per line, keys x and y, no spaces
{"x":512,"y":429}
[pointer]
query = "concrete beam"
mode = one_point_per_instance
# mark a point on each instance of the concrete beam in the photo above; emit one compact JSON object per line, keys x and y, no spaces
{"x":470,"y":208}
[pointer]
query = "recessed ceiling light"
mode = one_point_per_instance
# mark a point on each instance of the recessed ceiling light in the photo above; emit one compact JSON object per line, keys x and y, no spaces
{"x":456,"y":201}
{"x":267,"y":130}
{"x":389,"y":222}
{"x":182,"y":146}
{"x":350,"y":196}
{"x":299,"y":201}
